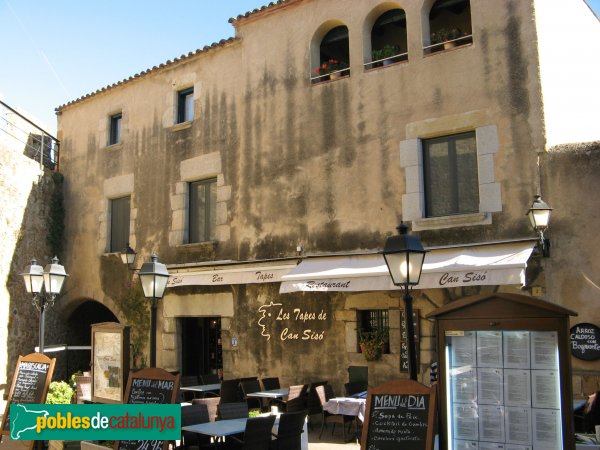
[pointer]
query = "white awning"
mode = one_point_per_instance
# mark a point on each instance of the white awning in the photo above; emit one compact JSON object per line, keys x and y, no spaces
{"x":486,"y":264}
{"x":231,"y":274}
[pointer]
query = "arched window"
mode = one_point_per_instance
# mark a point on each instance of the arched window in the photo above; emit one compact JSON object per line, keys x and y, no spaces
{"x":334,"y":56}
{"x":388,"y":39}
{"x":449,"y":25}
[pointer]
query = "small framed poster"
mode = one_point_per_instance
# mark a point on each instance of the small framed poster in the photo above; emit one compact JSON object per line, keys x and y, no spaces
{"x":110,"y":362}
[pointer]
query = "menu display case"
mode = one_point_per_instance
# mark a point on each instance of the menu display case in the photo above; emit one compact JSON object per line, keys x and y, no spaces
{"x":505,"y":374}
{"x":110,"y":362}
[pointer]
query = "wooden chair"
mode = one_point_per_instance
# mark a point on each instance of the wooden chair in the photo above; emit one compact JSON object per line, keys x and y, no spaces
{"x":257,"y":435}
{"x":289,"y":432}
{"x":249,"y":387}
{"x":325,"y":393}
{"x":237,"y":410}
{"x":212,"y":404}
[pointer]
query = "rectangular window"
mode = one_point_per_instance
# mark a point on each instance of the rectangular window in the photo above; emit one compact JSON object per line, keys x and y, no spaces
{"x":451,"y":180}
{"x":115,"y":129}
{"x":202,"y":210}
{"x":119,"y":223}
{"x":373,"y":325}
{"x":185,"y":105}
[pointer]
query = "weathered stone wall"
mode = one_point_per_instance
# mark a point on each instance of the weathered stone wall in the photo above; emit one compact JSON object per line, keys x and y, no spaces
{"x":321,"y":165}
{"x":25,"y":193}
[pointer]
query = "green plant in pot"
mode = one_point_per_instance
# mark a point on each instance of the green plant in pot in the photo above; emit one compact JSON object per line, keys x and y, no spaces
{"x":387,"y":51}
{"x":444,"y":35}
{"x":372,"y":343}
{"x":59,"y":393}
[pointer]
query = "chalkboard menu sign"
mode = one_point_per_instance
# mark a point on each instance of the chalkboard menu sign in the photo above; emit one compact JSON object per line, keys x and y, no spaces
{"x":585,"y":341}
{"x":149,"y":386}
{"x":400,"y":414}
{"x":30,"y":383}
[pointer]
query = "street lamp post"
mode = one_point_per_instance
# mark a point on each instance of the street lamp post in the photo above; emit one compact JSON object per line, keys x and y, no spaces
{"x":44,"y":285}
{"x":404,"y":255}
{"x":539,"y":216}
{"x":154,"y":277}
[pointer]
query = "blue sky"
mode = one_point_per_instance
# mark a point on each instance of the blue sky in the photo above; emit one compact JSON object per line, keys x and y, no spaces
{"x":55,"y":51}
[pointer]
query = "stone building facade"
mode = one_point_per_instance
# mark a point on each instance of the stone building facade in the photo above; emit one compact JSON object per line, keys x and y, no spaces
{"x":301,"y":166}
{"x":27,"y":188}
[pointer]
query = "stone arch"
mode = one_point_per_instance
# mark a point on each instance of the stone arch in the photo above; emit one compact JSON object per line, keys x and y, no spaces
{"x":316,"y":51}
{"x":372,"y":17}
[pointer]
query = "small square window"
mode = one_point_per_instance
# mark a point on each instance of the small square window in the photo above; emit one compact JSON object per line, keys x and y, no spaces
{"x":119,"y":223}
{"x":450,"y":174}
{"x":115,"y":129}
{"x":185,"y":105}
{"x":202,"y":210}
{"x":373,"y":324}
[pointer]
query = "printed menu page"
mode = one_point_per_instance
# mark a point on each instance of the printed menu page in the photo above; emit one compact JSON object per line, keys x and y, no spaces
{"x":504,"y":390}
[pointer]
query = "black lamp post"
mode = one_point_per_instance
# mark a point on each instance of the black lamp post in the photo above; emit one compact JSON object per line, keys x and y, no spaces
{"x":154,"y":277}
{"x":404,"y":255}
{"x":539,"y":216}
{"x":44,"y":285}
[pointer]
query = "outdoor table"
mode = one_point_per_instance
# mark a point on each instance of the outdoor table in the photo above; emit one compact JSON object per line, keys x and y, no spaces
{"x":348,"y":406}
{"x":201,"y":388}
{"x":273,"y":393}
{"x":224,"y":428}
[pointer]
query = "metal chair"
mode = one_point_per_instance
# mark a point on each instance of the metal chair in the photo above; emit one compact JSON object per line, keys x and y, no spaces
{"x":229,"y":391}
{"x":296,"y":400}
{"x":211,"y":403}
{"x":210,"y":378}
{"x":289,"y":432}
{"x":188,"y":380}
{"x":270,"y":383}
{"x":313,"y":402}
{"x":237,"y":410}
{"x":257,"y":435}
{"x":325,"y":393}
{"x":249,"y":387}
{"x":192,"y":415}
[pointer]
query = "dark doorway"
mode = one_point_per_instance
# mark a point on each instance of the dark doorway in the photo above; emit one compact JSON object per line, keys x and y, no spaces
{"x":201,"y":350}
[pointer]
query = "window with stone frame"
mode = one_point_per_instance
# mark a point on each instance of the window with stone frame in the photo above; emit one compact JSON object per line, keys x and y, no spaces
{"x":202,"y":210}
{"x":185,"y":105}
{"x":119,"y":223}
{"x":450,"y":175}
{"x":115,"y":129}
{"x":374,"y":323}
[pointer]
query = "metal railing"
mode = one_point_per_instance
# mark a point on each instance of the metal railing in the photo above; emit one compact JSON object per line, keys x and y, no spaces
{"x":386,"y":61}
{"x":463,"y":40}
{"x":19,"y":132}
{"x":330,"y":76}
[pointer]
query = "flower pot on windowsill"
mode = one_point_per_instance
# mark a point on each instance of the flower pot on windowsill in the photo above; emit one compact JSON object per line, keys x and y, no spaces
{"x":371,"y":351}
{"x":449,"y":44}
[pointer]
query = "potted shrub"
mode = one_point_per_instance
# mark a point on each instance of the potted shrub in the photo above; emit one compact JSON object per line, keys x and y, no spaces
{"x":372,"y":343}
{"x":387,"y":51}
{"x":59,"y":393}
{"x":331,"y":67}
{"x":444,"y":36}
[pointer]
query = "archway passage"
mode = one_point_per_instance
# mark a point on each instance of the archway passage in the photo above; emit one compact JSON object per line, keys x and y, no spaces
{"x":79,"y":333}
